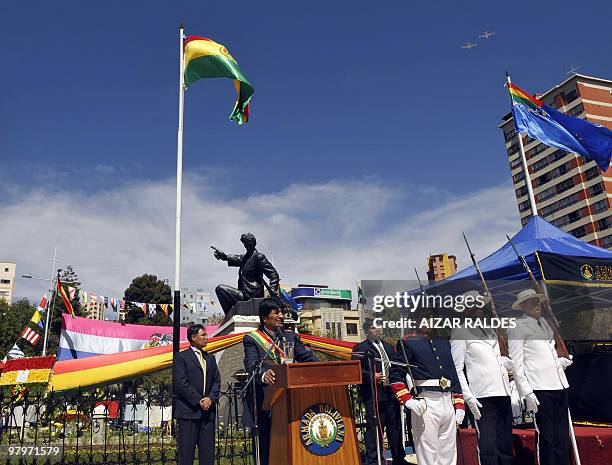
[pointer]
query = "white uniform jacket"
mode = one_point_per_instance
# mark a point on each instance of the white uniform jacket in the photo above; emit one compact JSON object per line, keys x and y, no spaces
{"x":478,"y":351}
{"x":536,"y":364}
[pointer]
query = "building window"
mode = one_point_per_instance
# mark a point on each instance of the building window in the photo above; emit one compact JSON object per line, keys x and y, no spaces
{"x":509,"y":134}
{"x":515,"y":163}
{"x":571,"y":96}
{"x":591,"y":173}
{"x":607,"y":241}
{"x":558,"y":171}
{"x":596,"y":189}
{"x":5,"y":281}
{"x":604,"y":223}
{"x":351,"y":329}
{"x":523,"y":206}
{"x":548,"y":159}
{"x":6,"y":270}
{"x":578,"y":232}
{"x":521,"y":191}
{"x":559,"y":204}
{"x":518,"y":177}
{"x":513,"y":148}
{"x":576,"y":110}
{"x":537,"y":149}
{"x":600,"y":206}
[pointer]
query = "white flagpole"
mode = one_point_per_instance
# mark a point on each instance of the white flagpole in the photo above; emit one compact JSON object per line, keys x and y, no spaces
{"x":179,"y":186}
{"x":532,"y":202}
{"x":51,"y":304}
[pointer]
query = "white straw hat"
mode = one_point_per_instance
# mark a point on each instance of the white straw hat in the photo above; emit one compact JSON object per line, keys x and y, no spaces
{"x":526,"y":295}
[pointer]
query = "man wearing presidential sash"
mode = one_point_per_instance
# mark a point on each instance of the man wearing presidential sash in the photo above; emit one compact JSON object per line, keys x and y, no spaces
{"x":263,"y":349}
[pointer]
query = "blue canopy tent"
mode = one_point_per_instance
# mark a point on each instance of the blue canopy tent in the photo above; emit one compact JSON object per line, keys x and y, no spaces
{"x":578,"y":279}
{"x":540,"y":243}
{"x":538,"y":235}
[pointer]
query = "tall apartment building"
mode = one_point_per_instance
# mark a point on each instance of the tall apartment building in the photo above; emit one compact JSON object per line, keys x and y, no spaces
{"x":7,"y":281}
{"x":95,"y":310}
{"x":440,"y":266}
{"x":570,"y":191}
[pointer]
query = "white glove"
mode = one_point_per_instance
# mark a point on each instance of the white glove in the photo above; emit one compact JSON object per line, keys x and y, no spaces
{"x":532,"y":402}
{"x":474,"y":405}
{"x":507,"y":364}
{"x":417,"y":406}
{"x":459,"y":415}
{"x":565,"y":362}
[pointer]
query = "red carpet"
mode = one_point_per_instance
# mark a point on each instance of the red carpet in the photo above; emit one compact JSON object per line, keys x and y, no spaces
{"x":594,"y":446}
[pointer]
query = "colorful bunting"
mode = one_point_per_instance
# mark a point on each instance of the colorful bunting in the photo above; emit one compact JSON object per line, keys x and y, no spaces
{"x":30,"y":335}
{"x":16,"y":352}
{"x":64,"y":296}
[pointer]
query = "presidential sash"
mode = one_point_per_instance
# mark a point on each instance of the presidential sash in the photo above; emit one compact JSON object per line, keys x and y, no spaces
{"x":276,"y":354}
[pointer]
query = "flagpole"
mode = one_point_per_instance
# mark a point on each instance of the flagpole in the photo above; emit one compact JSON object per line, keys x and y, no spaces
{"x":532,"y":202}
{"x":179,"y":186}
{"x":49,"y":305}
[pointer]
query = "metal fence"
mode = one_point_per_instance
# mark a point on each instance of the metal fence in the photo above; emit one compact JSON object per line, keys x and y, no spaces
{"x":116,"y":424}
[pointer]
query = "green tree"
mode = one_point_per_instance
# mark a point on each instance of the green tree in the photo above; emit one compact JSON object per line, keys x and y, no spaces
{"x":150,"y":290}
{"x":13,"y":320}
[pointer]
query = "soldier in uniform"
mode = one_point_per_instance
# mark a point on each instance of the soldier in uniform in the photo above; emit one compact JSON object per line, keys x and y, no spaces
{"x":256,"y":345}
{"x":539,"y":374}
{"x":438,"y":408}
{"x":486,"y":390}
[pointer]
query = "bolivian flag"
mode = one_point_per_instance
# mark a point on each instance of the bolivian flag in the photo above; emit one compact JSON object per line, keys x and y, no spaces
{"x":205,"y":58}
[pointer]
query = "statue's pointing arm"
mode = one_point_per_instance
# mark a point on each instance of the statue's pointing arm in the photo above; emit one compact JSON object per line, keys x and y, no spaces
{"x":234,"y":260}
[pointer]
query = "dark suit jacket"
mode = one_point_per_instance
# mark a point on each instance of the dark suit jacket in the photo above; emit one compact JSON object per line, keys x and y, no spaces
{"x":253,"y":352}
{"x":187,"y":385}
{"x":250,"y":275}
{"x":384,"y":392}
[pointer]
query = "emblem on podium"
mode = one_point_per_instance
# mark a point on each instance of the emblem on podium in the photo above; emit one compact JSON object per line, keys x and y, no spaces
{"x":322,"y":429}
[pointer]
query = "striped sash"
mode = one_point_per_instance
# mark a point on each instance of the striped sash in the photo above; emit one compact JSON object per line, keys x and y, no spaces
{"x":262,"y":338}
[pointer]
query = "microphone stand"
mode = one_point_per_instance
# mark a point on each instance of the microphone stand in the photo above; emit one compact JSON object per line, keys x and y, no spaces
{"x":369,"y":355}
{"x":256,"y":369}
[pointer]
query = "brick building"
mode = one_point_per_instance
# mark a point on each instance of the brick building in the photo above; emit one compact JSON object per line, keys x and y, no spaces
{"x":570,"y":191}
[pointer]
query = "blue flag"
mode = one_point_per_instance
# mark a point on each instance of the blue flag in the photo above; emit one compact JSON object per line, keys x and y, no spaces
{"x":551,"y":127}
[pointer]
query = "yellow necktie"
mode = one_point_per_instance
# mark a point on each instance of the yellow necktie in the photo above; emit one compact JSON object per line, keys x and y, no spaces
{"x":203,"y":365}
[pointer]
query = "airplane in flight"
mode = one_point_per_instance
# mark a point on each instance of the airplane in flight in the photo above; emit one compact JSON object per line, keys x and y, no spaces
{"x":486,"y":34}
{"x":469,"y":45}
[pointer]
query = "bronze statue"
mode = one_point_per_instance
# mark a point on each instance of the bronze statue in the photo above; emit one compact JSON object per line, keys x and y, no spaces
{"x":253,"y":266}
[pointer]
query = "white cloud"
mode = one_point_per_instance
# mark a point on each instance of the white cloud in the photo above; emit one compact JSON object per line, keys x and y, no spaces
{"x":333,"y":233}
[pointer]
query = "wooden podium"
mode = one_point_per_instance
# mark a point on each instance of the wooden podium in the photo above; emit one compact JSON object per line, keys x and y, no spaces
{"x":307,"y":402}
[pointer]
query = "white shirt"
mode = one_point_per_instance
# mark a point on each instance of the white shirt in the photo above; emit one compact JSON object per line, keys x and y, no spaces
{"x":383,"y":355}
{"x":536,"y":364}
{"x":479,"y":352}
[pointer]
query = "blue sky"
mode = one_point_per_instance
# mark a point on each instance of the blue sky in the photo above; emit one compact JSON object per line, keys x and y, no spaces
{"x":348,"y":92}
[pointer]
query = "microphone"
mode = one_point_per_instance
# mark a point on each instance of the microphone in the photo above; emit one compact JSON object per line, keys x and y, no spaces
{"x":280,"y":335}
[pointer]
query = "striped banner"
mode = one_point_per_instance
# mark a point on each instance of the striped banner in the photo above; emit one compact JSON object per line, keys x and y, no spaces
{"x":103,"y":369}
{"x":30,"y":335}
{"x":82,"y":337}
